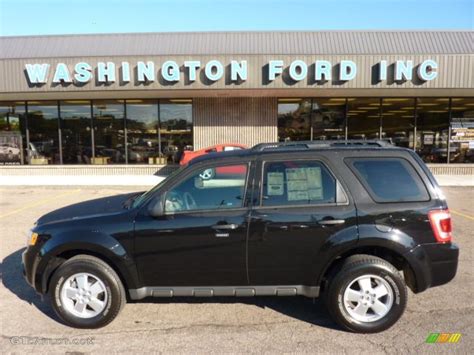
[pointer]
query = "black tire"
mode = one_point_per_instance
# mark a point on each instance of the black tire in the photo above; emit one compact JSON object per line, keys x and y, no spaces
{"x":116,"y":297}
{"x":352,"y":268}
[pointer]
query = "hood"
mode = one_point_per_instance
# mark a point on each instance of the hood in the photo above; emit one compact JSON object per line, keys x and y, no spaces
{"x":100,"y":206}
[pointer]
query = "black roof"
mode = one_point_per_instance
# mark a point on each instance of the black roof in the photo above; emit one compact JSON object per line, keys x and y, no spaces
{"x":301,"y":146}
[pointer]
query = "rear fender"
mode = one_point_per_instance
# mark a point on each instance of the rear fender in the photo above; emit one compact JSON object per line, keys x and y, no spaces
{"x":369,"y":235}
{"x":405,"y":246}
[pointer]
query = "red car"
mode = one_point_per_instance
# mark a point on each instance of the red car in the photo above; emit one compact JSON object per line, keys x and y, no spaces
{"x":210,"y":173}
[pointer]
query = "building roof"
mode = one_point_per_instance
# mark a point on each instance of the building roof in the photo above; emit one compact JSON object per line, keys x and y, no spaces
{"x":236,"y":43}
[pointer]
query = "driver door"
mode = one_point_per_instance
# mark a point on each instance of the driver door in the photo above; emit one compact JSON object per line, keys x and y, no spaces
{"x":200,"y":238}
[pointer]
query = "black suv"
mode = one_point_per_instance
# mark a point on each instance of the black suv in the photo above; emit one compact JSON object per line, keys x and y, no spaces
{"x":355,"y":222}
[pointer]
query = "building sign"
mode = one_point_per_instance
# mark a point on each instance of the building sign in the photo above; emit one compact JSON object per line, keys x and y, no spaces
{"x":235,"y":72}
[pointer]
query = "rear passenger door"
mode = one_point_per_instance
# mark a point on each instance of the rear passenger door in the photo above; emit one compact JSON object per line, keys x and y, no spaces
{"x":300,"y":206}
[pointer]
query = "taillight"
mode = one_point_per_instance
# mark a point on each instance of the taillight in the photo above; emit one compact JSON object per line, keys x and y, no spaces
{"x":441,"y":225}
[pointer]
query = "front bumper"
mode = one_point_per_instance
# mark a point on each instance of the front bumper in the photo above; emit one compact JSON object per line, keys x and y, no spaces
{"x":28,"y":266}
{"x":434,"y":264}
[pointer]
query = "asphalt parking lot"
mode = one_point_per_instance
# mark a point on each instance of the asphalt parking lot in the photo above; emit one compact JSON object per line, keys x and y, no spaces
{"x":219,"y":325}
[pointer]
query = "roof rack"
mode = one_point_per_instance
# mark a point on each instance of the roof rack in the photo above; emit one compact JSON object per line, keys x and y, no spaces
{"x":298,"y":145}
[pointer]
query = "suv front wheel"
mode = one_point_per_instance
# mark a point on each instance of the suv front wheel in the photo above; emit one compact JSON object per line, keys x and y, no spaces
{"x":366,"y":295}
{"x":86,"y":292}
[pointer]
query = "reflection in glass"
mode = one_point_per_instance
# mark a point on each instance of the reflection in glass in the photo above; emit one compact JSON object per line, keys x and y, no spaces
{"x":328,"y":119}
{"x":76,"y":126}
{"x":176,"y":125}
{"x":214,"y":188}
{"x":142,"y":130}
{"x":44,"y":132}
{"x":294,"y":119}
{"x":462,"y":130}
{"x":363,"y":118}
{"x":398,"y":121}
{"x":109,"y":132}
{"x":11,"y":113}
{"x":13,"y":128}
{"x":432,"y":129}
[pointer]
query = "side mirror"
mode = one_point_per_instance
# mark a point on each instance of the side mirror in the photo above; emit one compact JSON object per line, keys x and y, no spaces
{"x":156,"y":208}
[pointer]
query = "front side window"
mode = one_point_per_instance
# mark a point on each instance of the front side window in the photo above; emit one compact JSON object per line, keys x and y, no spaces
{"x":389,"y":179}
{"x":297,"y":183}
{"x":214,"y":188}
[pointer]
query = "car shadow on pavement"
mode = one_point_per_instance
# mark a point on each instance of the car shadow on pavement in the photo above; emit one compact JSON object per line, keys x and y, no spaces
{"x":301,"y":308}
{"x":13,"y":280}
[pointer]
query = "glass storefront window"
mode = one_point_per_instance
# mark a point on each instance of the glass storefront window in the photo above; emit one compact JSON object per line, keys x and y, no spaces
{"x":432,"y":123}
{"x":142,"y":131}
{"x":12,"y":132}
{"x":176,"y":124}
{"x":462,"y":130}
{"x":364,"y":118}
{"x":10,"y":113}
{"x":398,"y":121}
{"x":76,"y":133}
{"x":139,"y":131}
{"x":109,"y":132}
{"x":294,"y":120}
{"x":43,"y":128}
{"x":328,"y":119}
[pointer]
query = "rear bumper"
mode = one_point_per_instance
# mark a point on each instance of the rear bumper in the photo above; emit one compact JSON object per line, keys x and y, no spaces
{"x":433,"y":264}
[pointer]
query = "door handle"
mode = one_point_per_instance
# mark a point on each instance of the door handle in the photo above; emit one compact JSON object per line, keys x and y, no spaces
{"x":299,"y":226}
{"x":331,"y":222}
{"x":231,"y":226}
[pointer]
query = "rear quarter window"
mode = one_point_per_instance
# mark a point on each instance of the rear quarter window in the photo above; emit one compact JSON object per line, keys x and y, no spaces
{"x":389,"y":179}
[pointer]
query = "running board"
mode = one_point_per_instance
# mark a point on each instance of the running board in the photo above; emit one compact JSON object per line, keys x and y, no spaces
{"x":236,"y":291}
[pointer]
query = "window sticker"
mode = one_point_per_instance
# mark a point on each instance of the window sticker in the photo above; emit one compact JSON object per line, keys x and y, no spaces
{"x":315,"y":183}
{"x":298,"y":196}
{"x":304,"y":184}
{"x":275,"y":184}
{"x":295,"y":174}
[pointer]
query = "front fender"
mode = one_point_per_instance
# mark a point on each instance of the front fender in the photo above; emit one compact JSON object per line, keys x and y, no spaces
{"x":94,"y":243}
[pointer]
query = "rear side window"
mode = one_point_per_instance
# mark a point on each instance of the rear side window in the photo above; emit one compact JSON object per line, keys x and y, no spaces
{"x":297,"y":183}
{"x":389,"y":179}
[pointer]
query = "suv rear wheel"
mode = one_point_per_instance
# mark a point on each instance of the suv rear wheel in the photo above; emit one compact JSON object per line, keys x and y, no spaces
{"x":86,"y":292}
{"x":366,"y":295}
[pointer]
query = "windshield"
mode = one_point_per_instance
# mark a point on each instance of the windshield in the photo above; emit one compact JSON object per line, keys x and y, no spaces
{"x":143,"y":197}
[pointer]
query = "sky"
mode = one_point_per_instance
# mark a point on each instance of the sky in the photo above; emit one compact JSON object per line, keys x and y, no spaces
{"x":30,"y":17}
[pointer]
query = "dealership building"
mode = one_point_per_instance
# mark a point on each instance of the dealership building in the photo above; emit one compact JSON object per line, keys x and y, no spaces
{"x":143,"y":98}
